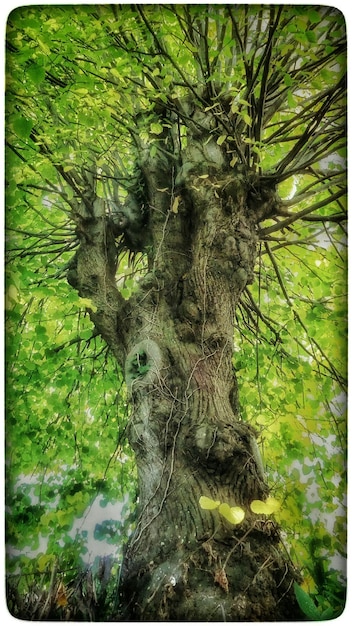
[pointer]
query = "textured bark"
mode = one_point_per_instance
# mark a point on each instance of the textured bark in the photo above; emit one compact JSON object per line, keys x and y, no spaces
{"x":176,"y":337}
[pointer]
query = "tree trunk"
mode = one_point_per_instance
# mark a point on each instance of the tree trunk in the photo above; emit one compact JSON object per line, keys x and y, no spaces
{"x":184,"y":563}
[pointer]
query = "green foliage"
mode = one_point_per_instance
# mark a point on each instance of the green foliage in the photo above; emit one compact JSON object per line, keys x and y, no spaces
{"x":292,"y":355}
{"x":318,"y":607}
{"x":66,"y":416}
{"x":297,"y":367}
{"x":306,"y":603}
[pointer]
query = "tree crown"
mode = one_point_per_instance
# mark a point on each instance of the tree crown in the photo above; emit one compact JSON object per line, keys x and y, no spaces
{"x":94,"y":95}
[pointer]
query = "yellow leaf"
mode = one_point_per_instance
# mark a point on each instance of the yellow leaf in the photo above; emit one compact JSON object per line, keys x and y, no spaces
{"x":44,"y":47}
{"x":88,"y":304}
{"x":234,"y":514}
{"x":211,"y":107}
{"x":273,"y":504}
{"x":246,"y":118}
{"x":175,"y":204}
{"x":238,"y":514}
{"x":265,"y":508}
{"x":12,"y":296}
{"x":43,"y":561}
{"x":308,"y":585}
{"x":61,"y":597}
{"x":208,"y":504}
{"x":221,"y":139}
{"x":258,"y":506}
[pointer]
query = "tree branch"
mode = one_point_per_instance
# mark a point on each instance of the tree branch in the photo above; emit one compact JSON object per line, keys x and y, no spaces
{"x":333,"y":94}
{"x":166,"y":54}
{"x":293,"y":218}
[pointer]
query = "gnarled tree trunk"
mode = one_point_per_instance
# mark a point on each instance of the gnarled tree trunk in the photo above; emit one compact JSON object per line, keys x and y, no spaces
{"x":175,"y":337}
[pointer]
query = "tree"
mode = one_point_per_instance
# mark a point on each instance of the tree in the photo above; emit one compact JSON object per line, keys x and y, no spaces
{"x":169,"y":163}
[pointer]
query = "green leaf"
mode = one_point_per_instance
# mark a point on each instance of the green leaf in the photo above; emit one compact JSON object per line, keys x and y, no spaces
{"x":328,"y":613}
{"x":156,"y":128}
{"x":314,"y":16}
{"x":36,"y":73}
{"x":311,"y":36}
{"x":290,"y":100}
{"x":306,"y":603}
{"x":22,"y":126}
{"x":246,"y":118}
{"x":288,"y":80}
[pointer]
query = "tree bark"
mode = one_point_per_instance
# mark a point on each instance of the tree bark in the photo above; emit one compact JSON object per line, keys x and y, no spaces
{"x":176,"y":337}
